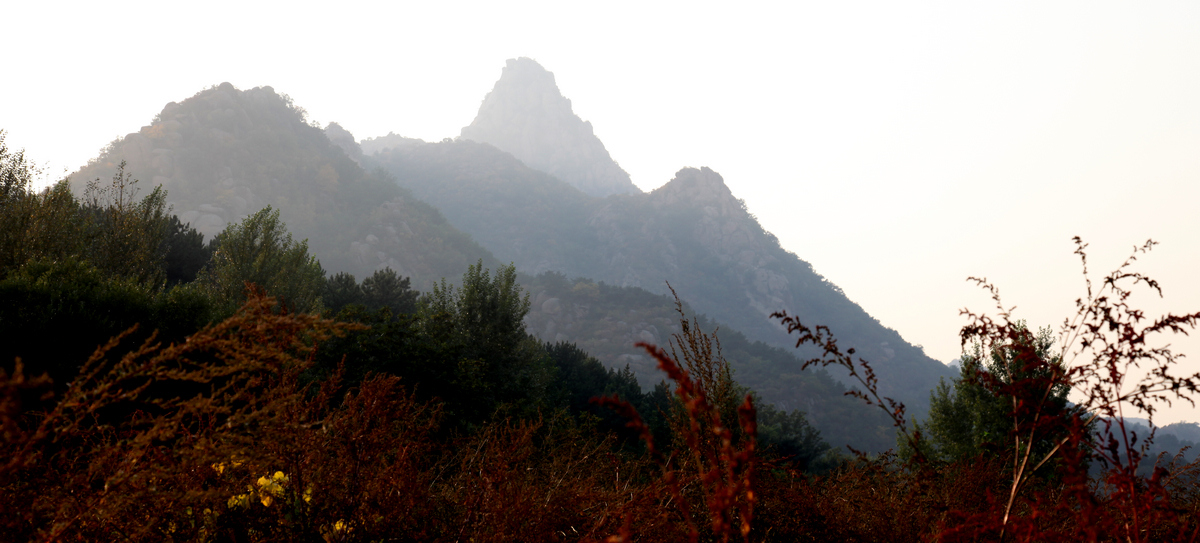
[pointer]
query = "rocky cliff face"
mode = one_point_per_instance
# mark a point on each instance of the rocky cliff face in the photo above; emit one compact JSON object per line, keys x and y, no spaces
{"x":693,"y":232}
{"x":526,"y":115}
{"x":345,"y":140}
{"x":726,"y":231}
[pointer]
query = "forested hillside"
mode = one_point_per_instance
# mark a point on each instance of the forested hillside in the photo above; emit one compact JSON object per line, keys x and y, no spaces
{"x":225,"y":153}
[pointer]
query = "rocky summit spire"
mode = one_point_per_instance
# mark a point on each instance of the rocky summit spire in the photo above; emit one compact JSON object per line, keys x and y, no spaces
{"x":527,"y":116}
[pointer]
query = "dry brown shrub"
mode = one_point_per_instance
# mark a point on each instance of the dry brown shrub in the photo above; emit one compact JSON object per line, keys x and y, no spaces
{"x":1006,"y":498}
{"x":127,"y":447}
{"x":215,"y":439}
{"x":539,"y":481}
{"x":712,"y":476}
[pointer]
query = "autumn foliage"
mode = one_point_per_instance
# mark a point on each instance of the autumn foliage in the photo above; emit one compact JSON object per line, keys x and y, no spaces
{"x":230,"y":436}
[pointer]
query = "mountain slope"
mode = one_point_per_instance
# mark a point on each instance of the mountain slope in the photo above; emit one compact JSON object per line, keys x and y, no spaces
{"x":224,"y":154}
{"x":527,"y":116}
{"x":691,"y":232}
{"x":606,"y":320}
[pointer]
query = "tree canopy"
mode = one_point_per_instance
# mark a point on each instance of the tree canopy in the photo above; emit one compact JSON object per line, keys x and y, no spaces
{"x":260,"y":251}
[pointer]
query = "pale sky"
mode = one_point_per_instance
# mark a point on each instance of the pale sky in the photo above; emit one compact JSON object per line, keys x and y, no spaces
{"x":898,"y":147}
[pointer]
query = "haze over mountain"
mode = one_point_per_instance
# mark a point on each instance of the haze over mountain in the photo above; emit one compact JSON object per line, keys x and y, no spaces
{"x":526,"y":115}
{"x":691,"y":232}
{"x":606,"y":320}
{"x":225,"y":153}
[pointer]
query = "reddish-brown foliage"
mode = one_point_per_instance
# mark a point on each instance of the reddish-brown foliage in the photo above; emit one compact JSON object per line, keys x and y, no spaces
{"x":1104,"y":346}
{"x":220,"y":439}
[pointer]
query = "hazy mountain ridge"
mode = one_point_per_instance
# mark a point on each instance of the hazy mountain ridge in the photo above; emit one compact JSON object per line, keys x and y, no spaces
{"x":225,"y":153}
{"x":392,"y":140}
{"x":1185,"y":431}
{"x":526,"y":115}
{"x":522,"y":215}
{"x":606,"y":321}
{"x":691,"y":232}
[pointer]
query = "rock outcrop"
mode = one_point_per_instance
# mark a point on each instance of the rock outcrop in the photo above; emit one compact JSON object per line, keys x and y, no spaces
{"x":526,"y":115}
{"x":343,"y":138}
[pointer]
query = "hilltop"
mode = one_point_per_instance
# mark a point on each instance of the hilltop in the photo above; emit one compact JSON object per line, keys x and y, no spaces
{"x":226,"y":153}
{"x":527,"y":116}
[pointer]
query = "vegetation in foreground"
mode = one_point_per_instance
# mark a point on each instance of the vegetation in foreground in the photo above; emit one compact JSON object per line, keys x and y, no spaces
{"x":335,"y":410}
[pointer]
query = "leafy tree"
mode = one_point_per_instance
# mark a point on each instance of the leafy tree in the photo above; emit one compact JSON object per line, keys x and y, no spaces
{"x":970,"y":415}
{"x":464,"y":346}
{"x":16,"y":173}
{"x":126,"y":236}
{"x":496,"y":362}
{"x":16,"y":178}
{"x":54,"y":314}
{"x":788,"y":436}
{"x":75,"y":273}
{"x":34,"y":226}
{"x":341,"y":290}
{"x":385,"y":288}
{"x":580,"y":378}
{"x":490,"y":310}
{"x":186,"y":252}
{"x":122,"y":235}
{"x":260,"y":251}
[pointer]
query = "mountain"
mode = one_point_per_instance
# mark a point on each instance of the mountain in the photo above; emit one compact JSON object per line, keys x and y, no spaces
{"x":523,"y":215}
{"x":371,"y":146}
{"x":606,"y":320}
{"x":1184,"y":431}
{"x":692,"y":232}
{"x":345,"y":140}
{"x":226,"y":153}
{"x":527,"y":116}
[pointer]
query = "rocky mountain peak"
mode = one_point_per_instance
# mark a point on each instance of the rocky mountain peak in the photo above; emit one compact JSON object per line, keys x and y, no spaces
{"x":526,"y":115}
{"x":343,"y":138}
{"x":700,"y":188}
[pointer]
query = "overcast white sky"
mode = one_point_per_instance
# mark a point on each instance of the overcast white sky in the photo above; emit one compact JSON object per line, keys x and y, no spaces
{"x":898,"y":147}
